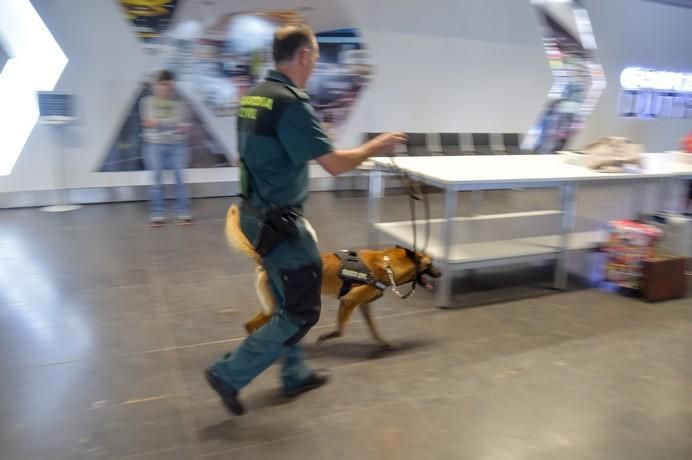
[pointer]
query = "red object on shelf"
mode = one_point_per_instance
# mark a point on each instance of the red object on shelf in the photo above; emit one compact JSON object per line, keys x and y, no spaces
{"x":687,"y":143}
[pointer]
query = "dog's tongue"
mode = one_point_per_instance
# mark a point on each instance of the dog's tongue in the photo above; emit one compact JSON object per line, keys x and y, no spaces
{"x":426,"y":283}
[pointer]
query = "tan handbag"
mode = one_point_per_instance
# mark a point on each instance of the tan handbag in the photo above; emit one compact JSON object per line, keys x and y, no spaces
{"x":612,"y":154}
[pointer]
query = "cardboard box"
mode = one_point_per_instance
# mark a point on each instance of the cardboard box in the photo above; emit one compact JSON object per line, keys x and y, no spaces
{"x":663,"y":278}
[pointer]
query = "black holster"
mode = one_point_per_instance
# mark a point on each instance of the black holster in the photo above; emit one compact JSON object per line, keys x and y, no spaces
{"x":279,"y":225}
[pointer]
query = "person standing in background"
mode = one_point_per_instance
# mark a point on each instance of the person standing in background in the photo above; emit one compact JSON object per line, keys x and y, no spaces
{"x":166,"y":125}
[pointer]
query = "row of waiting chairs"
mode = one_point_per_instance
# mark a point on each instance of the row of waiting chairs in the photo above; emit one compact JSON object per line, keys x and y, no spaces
{"x":459,"y":144}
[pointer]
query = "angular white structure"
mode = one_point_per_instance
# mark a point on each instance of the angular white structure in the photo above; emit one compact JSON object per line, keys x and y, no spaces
{"x":578,"y":77}
{"x":35,"y":63}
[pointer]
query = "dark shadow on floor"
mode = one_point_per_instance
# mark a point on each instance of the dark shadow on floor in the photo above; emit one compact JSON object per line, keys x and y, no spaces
{"x":477,"y":288}
{"x":364,"y":350}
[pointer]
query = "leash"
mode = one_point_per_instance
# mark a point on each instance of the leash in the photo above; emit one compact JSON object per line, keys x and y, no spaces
{"x":392,"y":282}
{"x":416,"y":192}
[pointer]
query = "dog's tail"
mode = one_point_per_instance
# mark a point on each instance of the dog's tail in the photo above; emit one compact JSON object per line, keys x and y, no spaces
{"x":236,"y":238}
{"x":238,"y":241}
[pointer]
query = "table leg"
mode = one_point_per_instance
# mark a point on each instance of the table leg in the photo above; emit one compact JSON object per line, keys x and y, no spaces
{"x":476,"y":202}
{"x":444,"y":288}
{"x":568,"y":194}
{"x":667,"y":195}
{"x":476,"y":205}
{"x":637,"y":198}
{"x":375,"y":194}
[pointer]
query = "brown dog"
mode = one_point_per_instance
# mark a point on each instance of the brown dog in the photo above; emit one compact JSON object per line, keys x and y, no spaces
{"x":401,"y":264}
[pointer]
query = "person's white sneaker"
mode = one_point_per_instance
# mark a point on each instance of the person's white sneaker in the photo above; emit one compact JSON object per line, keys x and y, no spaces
{"x":157,"y":221}
{"x":184,"y":220}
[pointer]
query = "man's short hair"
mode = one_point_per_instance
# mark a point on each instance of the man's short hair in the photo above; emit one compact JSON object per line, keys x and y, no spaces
{"x":289,"y":39}
{"x":165,"y":75}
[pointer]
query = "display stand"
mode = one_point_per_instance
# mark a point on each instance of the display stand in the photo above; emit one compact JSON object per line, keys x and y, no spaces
{"x":56,"y":110}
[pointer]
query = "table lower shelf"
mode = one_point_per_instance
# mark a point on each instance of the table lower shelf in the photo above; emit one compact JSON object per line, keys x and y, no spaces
{"x":500,"y":239}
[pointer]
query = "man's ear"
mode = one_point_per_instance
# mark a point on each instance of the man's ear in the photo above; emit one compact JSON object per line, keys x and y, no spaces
{"x":303,"y":55}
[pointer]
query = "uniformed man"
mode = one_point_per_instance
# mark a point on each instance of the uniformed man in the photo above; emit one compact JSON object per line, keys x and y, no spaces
{"x":278,"y":134}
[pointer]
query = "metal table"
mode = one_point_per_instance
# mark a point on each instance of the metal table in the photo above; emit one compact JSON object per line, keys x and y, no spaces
{"x":489,"y":247}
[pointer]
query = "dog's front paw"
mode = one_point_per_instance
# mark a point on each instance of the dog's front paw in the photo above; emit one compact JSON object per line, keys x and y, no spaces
{"x":330,"y":335}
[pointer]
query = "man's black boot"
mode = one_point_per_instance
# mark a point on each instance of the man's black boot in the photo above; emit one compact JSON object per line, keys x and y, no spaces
{"x":229,"y":396}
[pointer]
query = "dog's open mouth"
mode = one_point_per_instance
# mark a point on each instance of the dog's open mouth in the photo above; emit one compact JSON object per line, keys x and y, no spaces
{"x":424,"y":277}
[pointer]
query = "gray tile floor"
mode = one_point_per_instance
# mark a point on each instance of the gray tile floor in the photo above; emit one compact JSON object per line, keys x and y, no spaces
{"x":106,"y":325}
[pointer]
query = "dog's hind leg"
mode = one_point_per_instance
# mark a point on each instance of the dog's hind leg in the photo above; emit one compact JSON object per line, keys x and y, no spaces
{"x":266,"y":297}
{"x":257,"y":321}
{"x":264,"y":291}
{"x":370,"y":321}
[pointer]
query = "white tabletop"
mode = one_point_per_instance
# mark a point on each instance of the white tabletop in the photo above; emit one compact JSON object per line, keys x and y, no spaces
{"x":515,"y":170}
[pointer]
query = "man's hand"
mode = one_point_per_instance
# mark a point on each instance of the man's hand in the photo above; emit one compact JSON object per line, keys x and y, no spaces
{"x":384,"y":143}
{"x":150,"y":123}
{"x":340,"y":161}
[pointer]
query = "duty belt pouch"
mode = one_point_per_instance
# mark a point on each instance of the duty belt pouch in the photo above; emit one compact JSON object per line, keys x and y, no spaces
{"x":302,"y":300}
{"x":279,"y":225}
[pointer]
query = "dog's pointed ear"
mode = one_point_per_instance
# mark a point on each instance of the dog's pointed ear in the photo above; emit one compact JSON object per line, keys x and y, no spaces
{"x":409,"y":253}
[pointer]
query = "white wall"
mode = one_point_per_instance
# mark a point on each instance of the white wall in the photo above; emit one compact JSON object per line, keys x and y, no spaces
{"x":646,"y":34}
{"x":458,"y":66}
{"x":448,"y":65}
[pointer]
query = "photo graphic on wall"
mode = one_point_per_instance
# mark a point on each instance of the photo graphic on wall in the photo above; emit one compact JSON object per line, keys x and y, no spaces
{"x":126,"y":152}
{"x":222,"y":59}
{"x":149,"y":17}
{"x":217,"y":58}
{"x":342,"y":73}
{"x":152,"y":20}
{"x":578,"y":78}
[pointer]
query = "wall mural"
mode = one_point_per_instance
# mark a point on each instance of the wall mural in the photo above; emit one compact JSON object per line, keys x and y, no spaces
{"x":578,"y":78}
{"x":152,"y":20}
{"x":218,"y":59}
{"x":225,"y":57}
{"x":149,"y":17}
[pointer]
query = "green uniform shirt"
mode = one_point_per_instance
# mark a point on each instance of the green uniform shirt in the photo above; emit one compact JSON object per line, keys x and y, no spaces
{"x":278,"y":134}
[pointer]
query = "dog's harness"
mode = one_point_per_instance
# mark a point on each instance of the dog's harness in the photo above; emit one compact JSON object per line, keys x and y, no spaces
{"x":353,"y":271}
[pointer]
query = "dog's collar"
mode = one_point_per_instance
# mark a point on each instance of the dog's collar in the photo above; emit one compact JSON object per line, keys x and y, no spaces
{"x":392,"y":281}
